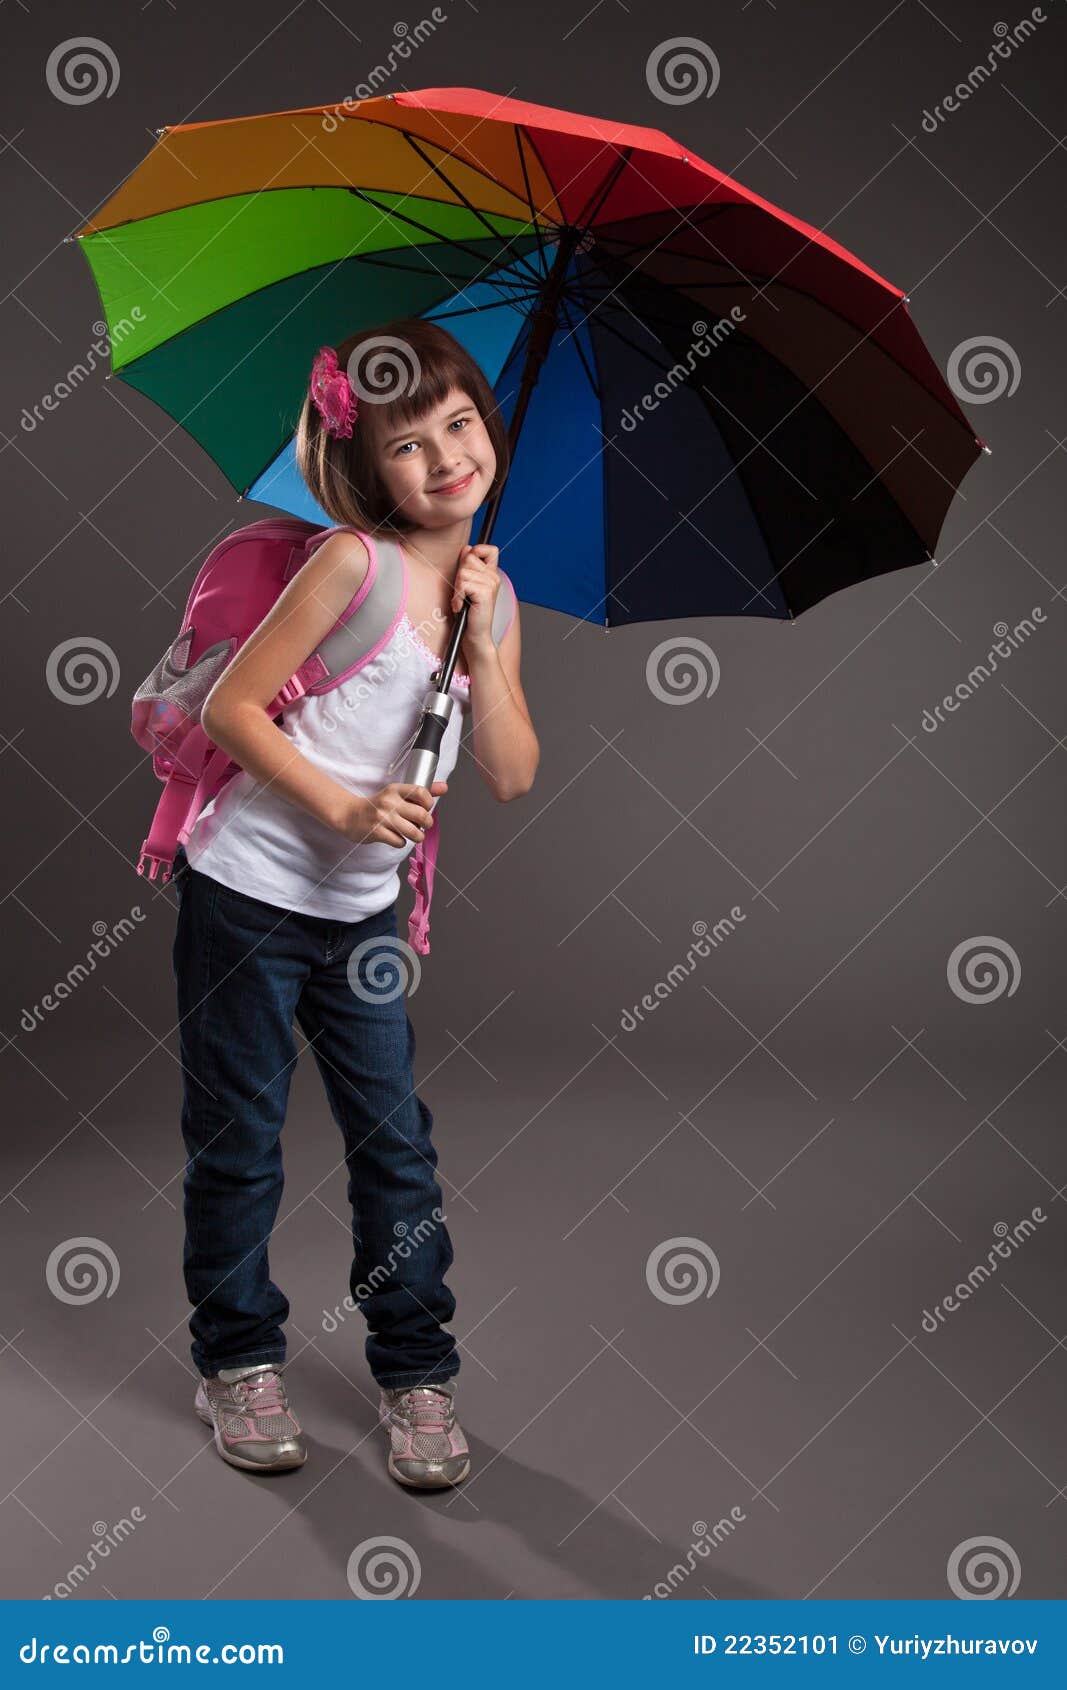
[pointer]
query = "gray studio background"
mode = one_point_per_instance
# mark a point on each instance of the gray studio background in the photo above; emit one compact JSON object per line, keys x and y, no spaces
{"x":814,"y":1104}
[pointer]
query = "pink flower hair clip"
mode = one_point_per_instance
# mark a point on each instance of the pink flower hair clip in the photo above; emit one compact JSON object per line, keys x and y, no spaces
{"x":332,"y":392}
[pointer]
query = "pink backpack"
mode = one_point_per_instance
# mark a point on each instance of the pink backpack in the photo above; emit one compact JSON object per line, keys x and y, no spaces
{"x":236,"y":586}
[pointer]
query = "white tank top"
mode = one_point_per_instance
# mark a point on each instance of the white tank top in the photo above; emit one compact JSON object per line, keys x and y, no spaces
{"x":253,"y":840}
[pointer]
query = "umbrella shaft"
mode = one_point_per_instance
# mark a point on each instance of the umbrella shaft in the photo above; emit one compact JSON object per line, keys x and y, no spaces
{"x":544,"y":327}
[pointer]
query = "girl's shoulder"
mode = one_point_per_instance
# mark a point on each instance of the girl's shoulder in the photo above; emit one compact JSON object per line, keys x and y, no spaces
{"x":343,"y":554}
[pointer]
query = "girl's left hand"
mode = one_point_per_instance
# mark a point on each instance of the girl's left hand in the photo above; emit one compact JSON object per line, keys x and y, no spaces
{"x":477,"y":578}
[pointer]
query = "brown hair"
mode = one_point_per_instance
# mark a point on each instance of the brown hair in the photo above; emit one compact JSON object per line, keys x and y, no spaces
{"x":341,"y":473}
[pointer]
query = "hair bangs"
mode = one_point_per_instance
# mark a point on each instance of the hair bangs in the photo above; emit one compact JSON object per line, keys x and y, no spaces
{"x":342,"y":474}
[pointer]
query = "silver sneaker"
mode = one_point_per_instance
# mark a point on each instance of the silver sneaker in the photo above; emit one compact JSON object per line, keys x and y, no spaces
{"x":427,"y":1448}
{"x":254,"y":1425}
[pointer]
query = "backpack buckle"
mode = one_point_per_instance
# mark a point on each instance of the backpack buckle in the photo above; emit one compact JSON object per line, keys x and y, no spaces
{"x":293,"y":688}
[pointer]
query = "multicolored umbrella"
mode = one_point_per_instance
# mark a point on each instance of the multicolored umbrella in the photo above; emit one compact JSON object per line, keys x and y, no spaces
{"x":723,"y":412}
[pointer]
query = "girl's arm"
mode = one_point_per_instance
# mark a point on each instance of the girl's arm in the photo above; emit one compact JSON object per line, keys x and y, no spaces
{"x":505,"y":745}
{"x":235,"y":710}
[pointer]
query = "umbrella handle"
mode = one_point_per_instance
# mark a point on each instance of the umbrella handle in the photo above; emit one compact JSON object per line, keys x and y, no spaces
{"x":425,"y":754}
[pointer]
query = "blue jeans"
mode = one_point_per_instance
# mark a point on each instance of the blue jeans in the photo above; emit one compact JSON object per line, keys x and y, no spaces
{"x":244,"y":968}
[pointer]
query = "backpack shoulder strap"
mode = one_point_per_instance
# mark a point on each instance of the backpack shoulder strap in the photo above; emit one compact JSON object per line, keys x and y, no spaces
{"x":362,"y":628}
{"x":506,"y":603}
{"x":369,"y":620}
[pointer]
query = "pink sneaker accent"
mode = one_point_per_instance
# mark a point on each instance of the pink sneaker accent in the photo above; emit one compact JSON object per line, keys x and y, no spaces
{"x":254,"y":1425}
{"x":427,"y":1448}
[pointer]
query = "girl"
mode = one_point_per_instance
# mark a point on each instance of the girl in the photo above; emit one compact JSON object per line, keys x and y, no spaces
{"x":290,"y":875}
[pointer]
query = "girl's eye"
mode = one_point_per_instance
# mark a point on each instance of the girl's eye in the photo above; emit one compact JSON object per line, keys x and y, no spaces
{"x":458,"y":422}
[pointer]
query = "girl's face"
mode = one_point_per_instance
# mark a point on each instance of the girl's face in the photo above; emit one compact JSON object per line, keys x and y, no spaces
{"x":450,"y":445}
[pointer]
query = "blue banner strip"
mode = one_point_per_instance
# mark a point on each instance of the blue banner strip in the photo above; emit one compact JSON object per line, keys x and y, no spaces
{"x":516,"y":1643}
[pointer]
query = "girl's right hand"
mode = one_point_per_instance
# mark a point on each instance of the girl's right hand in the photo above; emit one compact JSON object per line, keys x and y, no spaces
{"x":396,"y":815}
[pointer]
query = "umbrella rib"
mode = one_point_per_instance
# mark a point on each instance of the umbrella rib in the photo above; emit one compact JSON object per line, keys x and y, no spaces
{"x":413,"y":269}
{"x":418,"y":270}
{"x":578,"y":285}
{"x":475,"y":211}
{"x":521,"y":341}
{"x":444,"y":240}
{"x":684,"y":516}
{"x":761,"y":287}
{"x":535,"y":149}
{"x":600,"y":195}
{"x":751,"y":281}
{"x":388,"y":212}
{"x":610,"y":327}
{"x":574,"y":331}
{"x":646,"y":314}
{"x":646,"y":311}
{"x":588,"y":298}
{"x":706,"y":215}
{"x":599,"y":278}
{"x":719,"y":256}
{"x":517,"y":129}
{"x":473,"y":310}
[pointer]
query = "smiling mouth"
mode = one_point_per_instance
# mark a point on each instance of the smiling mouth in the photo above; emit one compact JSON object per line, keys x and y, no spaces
{"x":456,"y":486}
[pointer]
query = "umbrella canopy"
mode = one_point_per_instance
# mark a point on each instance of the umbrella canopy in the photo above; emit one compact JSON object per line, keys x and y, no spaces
{"x":734,"y":416}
